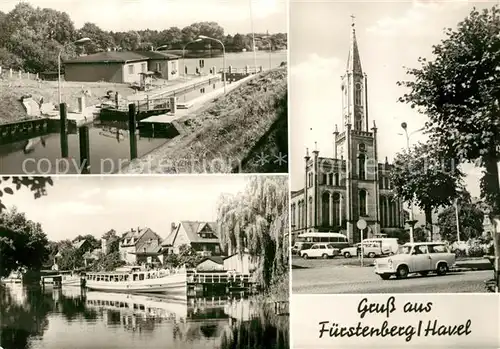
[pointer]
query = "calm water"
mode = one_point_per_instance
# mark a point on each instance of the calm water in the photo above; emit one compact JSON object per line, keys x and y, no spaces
{"x":109,"y":147}
{"x":69,"y":318}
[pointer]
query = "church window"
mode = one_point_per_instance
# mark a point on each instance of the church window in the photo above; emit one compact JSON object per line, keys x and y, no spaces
{"x":325,"y":179}
{"x":362,"y":203}
{"x":330,"y":179}
{"x":361,"y":164}
{"x":337,"y":180}
{"x":357,"y":94}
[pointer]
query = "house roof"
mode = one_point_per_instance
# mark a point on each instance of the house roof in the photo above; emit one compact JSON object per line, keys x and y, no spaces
{"x":151,"y":249}
{"x":192,"y":228}
{"x":109,"y":57}
{"x":215,"y":259}
{"x":134,"y":234}
{"x":122,"y":57}
{"x":78,"y":244}
{"x":157,"y":55}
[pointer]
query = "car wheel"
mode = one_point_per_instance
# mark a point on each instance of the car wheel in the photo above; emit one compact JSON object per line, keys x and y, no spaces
{"x":402,"y":272}
{"x":325,"y":256}
{"x":424,"y":273}
{"x":305,"y":256}
{"x":371,"y":255}
{"x":442,"y":269}
{"x":385,"y":276}
{"x":347,"y":255}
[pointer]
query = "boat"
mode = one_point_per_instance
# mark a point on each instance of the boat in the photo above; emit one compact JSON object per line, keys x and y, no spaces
{"x":152,"y":281}
{"x":13,"y":278}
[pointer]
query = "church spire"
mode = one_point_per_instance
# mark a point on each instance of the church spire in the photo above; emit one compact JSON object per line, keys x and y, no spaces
{"x":353,"y":60}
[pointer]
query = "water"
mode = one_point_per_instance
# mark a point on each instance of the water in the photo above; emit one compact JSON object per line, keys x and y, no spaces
{"x":109,"y":151}
{"x":69,"y":318}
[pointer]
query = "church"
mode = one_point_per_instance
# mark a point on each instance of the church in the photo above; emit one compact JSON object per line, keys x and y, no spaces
{"x":351,"y":185}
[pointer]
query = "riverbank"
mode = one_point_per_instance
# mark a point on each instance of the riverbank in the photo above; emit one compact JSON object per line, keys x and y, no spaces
{"x":220,"y":136}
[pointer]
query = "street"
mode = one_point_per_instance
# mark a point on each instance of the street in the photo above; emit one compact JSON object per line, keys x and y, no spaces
{"x":346,"y":276}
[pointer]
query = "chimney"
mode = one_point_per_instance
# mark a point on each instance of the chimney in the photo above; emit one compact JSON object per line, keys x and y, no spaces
{"x":138,"y":229}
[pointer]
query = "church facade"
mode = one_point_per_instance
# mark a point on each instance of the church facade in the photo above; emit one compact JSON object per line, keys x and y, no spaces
{"x":352,"y":185}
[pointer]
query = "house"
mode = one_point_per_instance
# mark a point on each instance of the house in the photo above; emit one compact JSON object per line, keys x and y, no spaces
{"x":121,"y":66}
{"x":82,"y":245}
{"x":240,"y":263}
{"x":91,"y":256}
{"x":201,"y":236}
{"x":138,"y":243}
{"x":214,"y":263}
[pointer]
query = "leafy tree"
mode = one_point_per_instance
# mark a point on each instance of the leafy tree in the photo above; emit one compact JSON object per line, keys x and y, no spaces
{"x":470,"y":219}
{"x":187,"y":256}
{"x":23,"y":244}
{"x":36,"y":184}
{"x":71,"y":258}
{"x":109,"y":262}
{"x":94,"y":243}
{"x":460,"y":90}
{"x":422,"y":177}
{"x":402,"y":235}
{"x":420,"y":234}
{"x":257,"y":220}
{"x":113,"y":241}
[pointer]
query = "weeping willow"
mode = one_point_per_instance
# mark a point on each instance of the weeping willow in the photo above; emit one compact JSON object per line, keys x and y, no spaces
{"x":256,"y":221}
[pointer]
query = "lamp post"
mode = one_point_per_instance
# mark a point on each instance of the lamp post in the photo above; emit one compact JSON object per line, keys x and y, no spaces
{"x":223,"y":58}
{"x":183,"y":50}
{"x":253,"y":37}
{"x":457,"y":221}
{"x":412,"y":222}
{"x":77,"y":42}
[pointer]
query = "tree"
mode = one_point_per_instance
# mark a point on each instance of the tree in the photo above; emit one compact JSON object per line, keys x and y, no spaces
{"x":460,"y":92}
{"x":23,"y":244}
{"x":470,"y":219}
{"x":422,"y":177}
{"x":257,"y":220}
{"x":94,"y":243}
{"x":187,"y":256}
{"x":36,"y":184}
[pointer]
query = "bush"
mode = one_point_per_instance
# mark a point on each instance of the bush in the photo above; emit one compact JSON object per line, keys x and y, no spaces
{"x":476,"y":251}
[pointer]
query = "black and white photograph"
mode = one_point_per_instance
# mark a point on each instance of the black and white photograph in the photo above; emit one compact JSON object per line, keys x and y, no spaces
{"x":396,"y":139}
{"x":144,"y":262}
{"x":145,"y":86}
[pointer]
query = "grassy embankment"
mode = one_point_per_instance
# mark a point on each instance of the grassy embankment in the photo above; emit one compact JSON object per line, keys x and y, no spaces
{"x":229,"y":134}
{"x":11,"y":91}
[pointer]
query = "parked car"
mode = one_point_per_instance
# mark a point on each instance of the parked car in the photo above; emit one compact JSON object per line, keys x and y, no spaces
{"x":299,"y":246}
{"x":419,"y":257}
{"x":370,"y":250}
{"x":321,"y":250}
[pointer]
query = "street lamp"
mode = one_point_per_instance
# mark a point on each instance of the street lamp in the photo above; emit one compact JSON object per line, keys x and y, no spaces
{"x":412,"y":222}
{"x":223,"y":57}
{"x":77,"y":42}
{"x":183,"y":49}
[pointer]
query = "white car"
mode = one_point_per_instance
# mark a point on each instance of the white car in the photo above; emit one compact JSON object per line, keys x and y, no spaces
{"x":369,"y":250}
{"x":419,"y":257}
{"x":320,"y":250}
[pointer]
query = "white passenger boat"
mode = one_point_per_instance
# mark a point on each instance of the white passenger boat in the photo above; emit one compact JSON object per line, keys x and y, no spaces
{"x":153,"y":281}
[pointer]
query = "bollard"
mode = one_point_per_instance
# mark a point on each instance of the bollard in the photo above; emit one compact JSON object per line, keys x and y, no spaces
{"x":84,"y":150}
{"x":173,"y":105}
{"x":10,"y":73}
{"x":0,"y":70}
{"x":64,"y":130}
{"x":261,"y":69}
{"x":20,"y":74}
{"x":132,"y":128}
{"x":247,"y":69}
{"x":37,"y":76}
{"x":28,"y":75}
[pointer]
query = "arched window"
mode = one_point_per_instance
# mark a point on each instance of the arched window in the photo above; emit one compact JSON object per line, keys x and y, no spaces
{"x":293,"y":214}
{"x":357,"y":94}
{"x":325,"y":212}
{"x":325,"y":179}
{"x":330,"y":178}
{"x":361,"y":167}
{"x":362,"y":203}
{"x":337,"y":179}
{"x":336,"y":209}
{"x":310,"y":207}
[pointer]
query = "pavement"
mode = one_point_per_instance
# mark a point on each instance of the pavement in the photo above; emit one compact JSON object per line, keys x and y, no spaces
{"x":346,"y":276}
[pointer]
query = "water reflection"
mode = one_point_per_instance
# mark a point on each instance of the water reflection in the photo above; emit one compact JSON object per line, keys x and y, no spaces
{"x":54,"y":318}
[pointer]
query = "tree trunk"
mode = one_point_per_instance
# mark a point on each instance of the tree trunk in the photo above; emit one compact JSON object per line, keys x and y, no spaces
{"x":428,"y":222}
{"x":491,"y":190}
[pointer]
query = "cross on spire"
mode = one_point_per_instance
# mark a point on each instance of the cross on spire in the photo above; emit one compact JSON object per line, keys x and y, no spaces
{"x":352,"y":18}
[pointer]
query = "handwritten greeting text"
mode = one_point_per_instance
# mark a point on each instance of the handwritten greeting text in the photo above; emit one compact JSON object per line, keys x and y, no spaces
{"x":425,"y":328}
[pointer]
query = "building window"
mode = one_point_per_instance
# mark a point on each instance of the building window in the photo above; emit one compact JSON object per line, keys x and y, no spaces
{"x":337,"y":180}
{"x":310,"y":211}
{"x":361,"y":164}
{"x":362,"y":203}
{"x":357,"y":94}
{"x":325,"y":179}
{"x":330,"y":179}
{"x":144,"y":67}
{"x":173,"y":66}
{"x":158,"y":66}
{"x":131,"y":69}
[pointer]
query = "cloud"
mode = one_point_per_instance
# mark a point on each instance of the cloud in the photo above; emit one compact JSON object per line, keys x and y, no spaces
{"x":89,"y":193}
{"x":422,"y":17}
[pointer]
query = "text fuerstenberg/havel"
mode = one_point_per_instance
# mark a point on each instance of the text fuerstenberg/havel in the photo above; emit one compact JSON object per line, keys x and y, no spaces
{"x":424,"y":328}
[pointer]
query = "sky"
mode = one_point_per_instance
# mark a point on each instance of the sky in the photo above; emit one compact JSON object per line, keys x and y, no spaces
{"x":390,"y":35}
{"x":123,"y":15}
{"x":95,"y":204}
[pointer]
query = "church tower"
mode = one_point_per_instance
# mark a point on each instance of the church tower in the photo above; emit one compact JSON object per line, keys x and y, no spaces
{"x":357,"y":145}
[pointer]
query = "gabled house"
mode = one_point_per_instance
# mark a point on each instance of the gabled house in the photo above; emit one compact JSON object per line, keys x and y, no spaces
{"x":201,"y":236}
{"x":82,"y":245}
{"x":138,"y":242}
{"x":213,"y":263}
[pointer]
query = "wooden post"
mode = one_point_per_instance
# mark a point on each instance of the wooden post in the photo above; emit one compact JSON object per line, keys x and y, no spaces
{"x":20,"y":74}
{"x":132,"y":128}
{"x":84,"y":150}
{"x":10,"y":73}
{"x":64,"y":132}
{"x":116,"y":100}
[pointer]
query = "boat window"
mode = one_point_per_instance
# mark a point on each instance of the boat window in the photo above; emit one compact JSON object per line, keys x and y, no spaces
{"x":135,"y":277}
{"x":141,"y":276}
